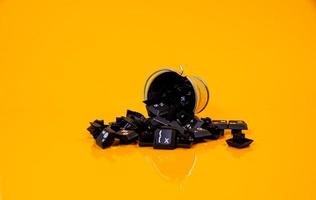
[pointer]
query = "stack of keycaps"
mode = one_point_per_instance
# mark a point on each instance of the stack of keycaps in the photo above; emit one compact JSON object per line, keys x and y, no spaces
{"x":161,"y":132}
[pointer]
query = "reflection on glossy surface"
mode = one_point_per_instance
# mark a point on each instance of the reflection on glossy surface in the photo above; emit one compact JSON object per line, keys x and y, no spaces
{"x":172,"y":165}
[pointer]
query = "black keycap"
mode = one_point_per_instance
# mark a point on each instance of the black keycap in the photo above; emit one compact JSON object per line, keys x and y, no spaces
{"x":158,"y":121}
{"x":126,"y":136}
{"x":138,"y":120}
{"x":220,"y":124}
{"x":184,"y":117}
{"x":123,"y":123}
{"x":157,"y":109}
{"x":216,"y":127}
{"x":106,"y":138}
{"x":239,"y":141}
{"x":207,"y":122}
{"x":184,"y":101}
{"x":165,"y":138}
{"x":96,"y":128}
{"x":194,"y":123}
{"x":200,"y":133}
{"x":237,"y":125}
{"x":184,"y":141}
{"x":145,"y":139}
{"x":136,"y":116}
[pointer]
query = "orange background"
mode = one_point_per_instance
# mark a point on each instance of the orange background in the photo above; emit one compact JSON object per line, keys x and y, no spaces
{"x":65,"y":63}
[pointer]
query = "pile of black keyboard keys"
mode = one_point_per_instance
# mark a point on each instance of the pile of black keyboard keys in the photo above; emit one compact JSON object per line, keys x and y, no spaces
{"x":162,"y":130}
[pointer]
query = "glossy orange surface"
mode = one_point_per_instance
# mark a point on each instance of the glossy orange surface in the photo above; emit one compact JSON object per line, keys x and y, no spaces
{"x":65,"y":63}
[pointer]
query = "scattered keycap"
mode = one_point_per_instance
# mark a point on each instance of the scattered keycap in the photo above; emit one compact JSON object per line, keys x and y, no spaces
{"x":165,"y":138}
{"x":158,"y":109}
{"x":145,"y":139}
{"x":238,"y":140}
{"x":200,"y":133}
{"x":105,"y":138}
{"x":126,"y":136}
{"x":96,"y":128}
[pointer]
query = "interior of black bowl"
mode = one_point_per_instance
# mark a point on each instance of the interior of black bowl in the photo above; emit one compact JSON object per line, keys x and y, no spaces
{"x":173,"y":90}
